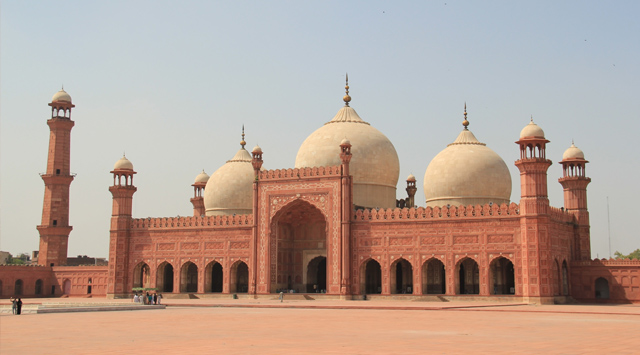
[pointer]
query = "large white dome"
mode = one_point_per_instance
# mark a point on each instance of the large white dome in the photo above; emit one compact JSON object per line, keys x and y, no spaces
{"x":374,"y":165}
{"x":229,"y":190}
{"x":467,"y":172}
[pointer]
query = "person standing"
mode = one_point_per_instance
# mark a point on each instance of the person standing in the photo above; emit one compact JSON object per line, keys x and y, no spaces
{"x":155,"y":298}
{"x":14,"y":305}
{"x":19,"y":306}
{"x":159,"y":298}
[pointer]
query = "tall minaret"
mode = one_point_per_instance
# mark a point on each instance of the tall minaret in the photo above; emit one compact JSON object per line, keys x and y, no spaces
{"x":198,"y":188}
{"x":574,"y":181}
{"x":535,"y":283}
{"x":119,"y":233}
{"x":54,"y":229}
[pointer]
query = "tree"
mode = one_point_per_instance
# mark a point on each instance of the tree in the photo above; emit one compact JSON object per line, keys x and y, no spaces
{"x":634,"y":255}
{"x":21,"y":259}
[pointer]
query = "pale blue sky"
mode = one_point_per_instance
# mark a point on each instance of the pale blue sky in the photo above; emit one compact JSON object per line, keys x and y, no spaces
{"x":171,"y":83}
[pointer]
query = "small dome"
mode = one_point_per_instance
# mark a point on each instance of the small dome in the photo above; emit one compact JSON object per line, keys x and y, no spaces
{"x":345,"y":142}
{"x":229,"y":190}
{"x":467,"y":172}
{"x":257,"y":149}
{"x":123,"y":164}
{"x":411,"y":178}
{"x":532,"y":130}
{"x":61,"y":96}
{"x":573,"y":152}
{"x":202,"y":177}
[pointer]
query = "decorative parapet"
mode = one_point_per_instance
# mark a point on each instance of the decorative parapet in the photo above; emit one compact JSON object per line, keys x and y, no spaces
{"x":422,"y":213}
{"x":560,"y":215}
{"x":607,"y":262}
{"x":193,"y":222}
{"x":298,"y":173}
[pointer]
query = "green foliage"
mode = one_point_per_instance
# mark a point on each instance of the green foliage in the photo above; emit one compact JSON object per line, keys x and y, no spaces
{"x":15,"y":261}
{"x":634,"y":255}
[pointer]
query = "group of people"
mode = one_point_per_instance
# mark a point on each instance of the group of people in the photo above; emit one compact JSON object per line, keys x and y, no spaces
{"x":149,"y":298}
{"x":16,"y":305}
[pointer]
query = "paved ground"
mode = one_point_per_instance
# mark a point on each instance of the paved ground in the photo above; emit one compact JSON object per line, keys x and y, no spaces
{"x":326,"y":327}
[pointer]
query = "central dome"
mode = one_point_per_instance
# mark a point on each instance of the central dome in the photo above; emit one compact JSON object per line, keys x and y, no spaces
{"x":467,"y":172}
{"x":374,"y":164}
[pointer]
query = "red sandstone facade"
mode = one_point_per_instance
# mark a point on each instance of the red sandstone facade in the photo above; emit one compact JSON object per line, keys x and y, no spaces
{"x":305,"y":235}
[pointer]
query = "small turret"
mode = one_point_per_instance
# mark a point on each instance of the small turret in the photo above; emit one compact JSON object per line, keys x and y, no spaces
{"x":533,"y":165}
{"x":198,"y":190}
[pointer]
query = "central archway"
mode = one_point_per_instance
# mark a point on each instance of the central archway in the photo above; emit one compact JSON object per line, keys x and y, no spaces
{"x":300,"y":248}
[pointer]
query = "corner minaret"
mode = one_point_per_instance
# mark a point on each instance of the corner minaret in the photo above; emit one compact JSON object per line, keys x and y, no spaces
{"x":198,"y":190}
{"x":119,"y":233}
{"x":536,"y":249}
{"x":533,"y":165}
{"x":54,"y":229}
{"x":574,"y":181}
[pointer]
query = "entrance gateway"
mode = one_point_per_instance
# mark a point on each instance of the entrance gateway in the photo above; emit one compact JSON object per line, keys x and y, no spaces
{"x":300,"y":240}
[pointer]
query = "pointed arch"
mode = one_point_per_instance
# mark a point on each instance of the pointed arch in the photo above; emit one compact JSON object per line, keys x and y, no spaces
{"x":214,"y":277}
{"x":142,"y":275}
{"x":189,"y":277}
{"x":239,"y":277}
{"x":18,"y":287}
{"x":38,"y":287}
{"x":299,"y":232}
{"x":164,"y":277}
{"x":502,"y":276}
{"x":401,"y":276}
{"x":433,"y":277}
{"x":370,"y":277}
{"x":602,"y":288}
{"x":66,"y":287}
{"x":468,"y":277}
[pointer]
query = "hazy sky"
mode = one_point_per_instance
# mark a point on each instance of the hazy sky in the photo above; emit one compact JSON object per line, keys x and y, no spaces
{"x":171,"y":83}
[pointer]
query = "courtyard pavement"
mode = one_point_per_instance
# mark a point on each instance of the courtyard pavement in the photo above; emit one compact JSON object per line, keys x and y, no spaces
{"x":246,"y":326}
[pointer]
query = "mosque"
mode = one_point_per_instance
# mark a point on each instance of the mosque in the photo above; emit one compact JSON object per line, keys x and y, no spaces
{"x":333,"y":226}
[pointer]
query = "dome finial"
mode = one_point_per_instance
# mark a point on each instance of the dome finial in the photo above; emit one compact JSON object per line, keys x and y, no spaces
{"x":346,"y":97}
{"x":465,"y":123}
{"x":242,"y":142}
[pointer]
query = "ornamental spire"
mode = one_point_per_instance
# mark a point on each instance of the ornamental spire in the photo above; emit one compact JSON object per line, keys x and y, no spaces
{"x":242,"y":142}
{"x":346,"y":97}
{"x":465,"y":123}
